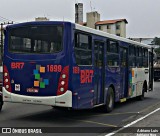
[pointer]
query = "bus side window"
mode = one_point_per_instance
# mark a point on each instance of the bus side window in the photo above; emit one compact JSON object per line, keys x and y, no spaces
{"x":83,"y":49}
{"x":139,"y":57}
{"x":132,"y":56}
{"x":112,"y":53}
{"x":145,"y":58}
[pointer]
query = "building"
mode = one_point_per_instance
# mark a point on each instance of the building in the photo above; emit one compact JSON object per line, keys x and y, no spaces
{"x":117,"y":27}
{"x":79,"y":13}
{"x":92,"y":18}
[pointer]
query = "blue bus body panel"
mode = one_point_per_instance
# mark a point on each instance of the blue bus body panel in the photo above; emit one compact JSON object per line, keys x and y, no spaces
{"x":113,"y":78}
{"x":82,"y":89}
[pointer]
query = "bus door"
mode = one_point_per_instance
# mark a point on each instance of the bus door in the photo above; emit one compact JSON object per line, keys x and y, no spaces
{"x":99,"y":72}
{"x":151,"y":70}
{"x":123,"y":73}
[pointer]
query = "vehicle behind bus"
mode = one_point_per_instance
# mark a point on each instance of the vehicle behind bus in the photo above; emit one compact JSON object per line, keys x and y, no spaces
{"x":157,"y":70}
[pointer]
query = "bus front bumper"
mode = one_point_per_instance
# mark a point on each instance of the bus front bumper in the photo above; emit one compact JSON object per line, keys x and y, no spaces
{"x":64,"y":100}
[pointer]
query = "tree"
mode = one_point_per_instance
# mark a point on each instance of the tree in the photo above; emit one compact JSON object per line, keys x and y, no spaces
{"x":157,"y":51}
{"x":156,"y":41}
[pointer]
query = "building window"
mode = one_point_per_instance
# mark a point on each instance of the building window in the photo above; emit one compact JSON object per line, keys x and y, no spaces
{"x":118,"y":34}
{"x":100,"y":27}
{"x":97,"y":27}
{"x":108,"y":27}
{"x":118,"y":27}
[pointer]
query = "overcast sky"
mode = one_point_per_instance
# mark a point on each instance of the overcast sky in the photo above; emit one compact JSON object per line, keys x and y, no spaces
{"x":143,"y":16}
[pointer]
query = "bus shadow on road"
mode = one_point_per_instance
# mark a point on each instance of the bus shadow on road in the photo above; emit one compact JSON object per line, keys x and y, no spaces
{"x":64,"y":116}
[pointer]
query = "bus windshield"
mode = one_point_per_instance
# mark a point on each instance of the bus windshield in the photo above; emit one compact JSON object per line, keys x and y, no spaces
{"x":36,"y":39}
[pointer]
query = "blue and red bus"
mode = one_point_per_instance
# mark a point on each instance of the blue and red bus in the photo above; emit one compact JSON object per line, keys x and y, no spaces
{"x":62,"y":64}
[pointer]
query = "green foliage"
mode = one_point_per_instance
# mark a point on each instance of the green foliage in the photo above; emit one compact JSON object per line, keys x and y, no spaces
{"x":157,"y":51}
{"x":156,"y":41}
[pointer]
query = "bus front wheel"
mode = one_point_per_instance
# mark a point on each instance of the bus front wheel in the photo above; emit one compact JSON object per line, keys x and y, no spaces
{"x":144,"y":89}
{"x":109,"y":100}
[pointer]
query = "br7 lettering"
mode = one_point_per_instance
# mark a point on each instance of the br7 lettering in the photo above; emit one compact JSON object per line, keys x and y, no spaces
{"x":86,"y":76}
{"x":17,"y":65}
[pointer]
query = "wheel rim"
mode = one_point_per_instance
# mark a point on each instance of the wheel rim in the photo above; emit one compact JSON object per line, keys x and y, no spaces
{"x":110,"y":101}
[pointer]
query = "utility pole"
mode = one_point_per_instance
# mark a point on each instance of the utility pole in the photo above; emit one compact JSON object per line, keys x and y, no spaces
{"x":2,"y":24}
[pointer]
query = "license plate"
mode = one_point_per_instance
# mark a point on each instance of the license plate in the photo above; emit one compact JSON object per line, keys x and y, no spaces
{"x":32,"y":90}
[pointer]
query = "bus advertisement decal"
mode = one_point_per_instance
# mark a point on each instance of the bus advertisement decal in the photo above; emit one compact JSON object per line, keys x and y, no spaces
{"x":17,"y":87}
{"x":39,"y":81}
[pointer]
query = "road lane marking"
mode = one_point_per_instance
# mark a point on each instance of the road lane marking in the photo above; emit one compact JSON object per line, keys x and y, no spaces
{"x":93,"y":122}
{"x":112,"y":114}
{"x":132,"y":123}
{"x":149,"y":107}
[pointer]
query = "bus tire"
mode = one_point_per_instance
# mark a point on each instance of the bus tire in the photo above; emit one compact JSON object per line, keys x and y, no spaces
{"x":141,"y":97}
{"x":109,"y":100}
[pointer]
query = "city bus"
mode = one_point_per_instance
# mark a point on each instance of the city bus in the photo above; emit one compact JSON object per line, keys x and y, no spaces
{"x":63,"y":64}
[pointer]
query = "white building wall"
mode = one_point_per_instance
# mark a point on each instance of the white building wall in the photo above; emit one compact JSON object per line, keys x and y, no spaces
{"x":104,"y":28}
{"x":113,"y":29}
{"x":122,"y":29}
{"x":92,"y":18}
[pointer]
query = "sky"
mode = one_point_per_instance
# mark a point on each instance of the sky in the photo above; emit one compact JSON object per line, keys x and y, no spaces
{"x":143,"y":16}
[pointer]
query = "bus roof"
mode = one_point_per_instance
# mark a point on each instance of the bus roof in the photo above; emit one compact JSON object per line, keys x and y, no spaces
{"x":105,"y":34}
{"x":86,"y":29}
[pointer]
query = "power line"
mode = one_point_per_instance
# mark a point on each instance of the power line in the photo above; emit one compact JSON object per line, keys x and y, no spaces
{"x":2,"y":20}
{"x":5,"y":19}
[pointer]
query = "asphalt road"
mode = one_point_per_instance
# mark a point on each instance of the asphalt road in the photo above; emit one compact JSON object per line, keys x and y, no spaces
{"x":26,"y":115}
